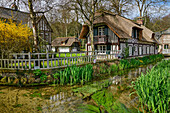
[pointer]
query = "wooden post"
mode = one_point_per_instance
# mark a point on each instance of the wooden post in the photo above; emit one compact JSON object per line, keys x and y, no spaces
{"x":39,"y":63}
{"x":22,"y":64}
{"x":1,"y":60}
{"x":43,"y":64}
{"x":81,"y":58}
{"x":11,"y":64}
{"x":47,"y":56}
{"x":25,"y":64}
{"x":55,"y":63}
{"x":76,"y":57}
{"x":51,"y":63}
{"x":29,"y":56}
{"x":95,"y":54}
{"x":58,"y":63}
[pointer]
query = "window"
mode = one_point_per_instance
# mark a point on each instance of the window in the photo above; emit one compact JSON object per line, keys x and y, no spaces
{"x":102,"y":49}
{"x":144,"y":49}
{"x":147,"y":49}
{"x":140,"y":50}
{"x":130,"y":50}
{"x":100,"y":31}
{"x":135,"y":33}
{"x":166,"y":46}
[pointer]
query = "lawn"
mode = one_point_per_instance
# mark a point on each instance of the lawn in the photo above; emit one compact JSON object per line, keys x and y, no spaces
{"x":70,"y":55}
{"x":52,"y":63}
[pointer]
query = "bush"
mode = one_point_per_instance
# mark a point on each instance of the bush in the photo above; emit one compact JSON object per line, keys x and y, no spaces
{"x":39,"y":74}
{"x":14,"y":37}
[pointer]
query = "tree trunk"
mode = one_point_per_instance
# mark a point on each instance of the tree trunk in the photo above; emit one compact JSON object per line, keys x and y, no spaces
{"x":91,"y":36}
{"x":91,"y":25}
{"x":34,"y":26}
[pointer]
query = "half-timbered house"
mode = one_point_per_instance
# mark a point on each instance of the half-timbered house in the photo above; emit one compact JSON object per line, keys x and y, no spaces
{"x":164,"y":38}
{"x":43,"y":26}
{"x":114,"y":32}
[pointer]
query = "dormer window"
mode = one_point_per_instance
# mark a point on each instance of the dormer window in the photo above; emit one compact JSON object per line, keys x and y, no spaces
{"x":100,"y":31}
{"x":135,"y":33}
{"x":63,"y":43}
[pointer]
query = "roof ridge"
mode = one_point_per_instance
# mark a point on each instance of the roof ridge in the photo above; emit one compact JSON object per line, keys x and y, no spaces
{"x":14,"y":10}
{"x":67,"y":37}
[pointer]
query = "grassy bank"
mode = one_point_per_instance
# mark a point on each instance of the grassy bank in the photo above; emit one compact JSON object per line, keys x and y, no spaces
{"x":128,"y":63}
{"x":134,"y":62}
{"x":153,"y":87}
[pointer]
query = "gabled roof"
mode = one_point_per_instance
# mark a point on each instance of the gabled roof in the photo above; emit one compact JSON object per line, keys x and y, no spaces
{"x":19,"y":16}
{"x":68,"y":41}
{"x":121,"y":26}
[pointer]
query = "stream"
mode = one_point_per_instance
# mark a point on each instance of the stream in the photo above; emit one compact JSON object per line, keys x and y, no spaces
{"x":48,"y":99}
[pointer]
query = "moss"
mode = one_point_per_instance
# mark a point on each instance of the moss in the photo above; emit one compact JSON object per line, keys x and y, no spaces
{"x":25,"y":95}
{"x":1,"y":92}
{"x":39,"y":108}
{"x":105,"y":99}
{"x":88,"y":90}
{"x":36,"y":94}
{"x":120,"y":108}
{"x":17,"y":105}
{"x":88,"y":109}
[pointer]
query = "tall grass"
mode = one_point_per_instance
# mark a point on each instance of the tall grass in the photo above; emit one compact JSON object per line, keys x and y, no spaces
{"x":129,"y":63}
{"x":134,"y":62}
{"x":153,"y":87}
{"x":74,"y":75}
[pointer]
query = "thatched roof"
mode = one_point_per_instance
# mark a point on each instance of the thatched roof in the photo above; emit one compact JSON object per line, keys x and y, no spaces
{"x":121,"y":26}
{"x":64,"y":41}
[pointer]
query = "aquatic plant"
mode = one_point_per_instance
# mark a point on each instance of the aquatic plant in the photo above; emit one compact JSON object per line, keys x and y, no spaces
{"x":89,"y":109}
{"x":105,"y":99}
{"x":88,"y":90}
{"x":153,"y":87}
{"x":74,"y":75}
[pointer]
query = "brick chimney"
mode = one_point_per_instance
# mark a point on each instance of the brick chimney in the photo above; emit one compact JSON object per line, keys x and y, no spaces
{"x":140,"y":21}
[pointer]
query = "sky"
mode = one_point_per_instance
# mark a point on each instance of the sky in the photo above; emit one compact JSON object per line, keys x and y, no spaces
{"x":132,"y":15}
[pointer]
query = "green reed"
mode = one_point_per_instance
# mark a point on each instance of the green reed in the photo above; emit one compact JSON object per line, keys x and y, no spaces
{"x":130,"y":63}
{"x":153,"y":87}
{"x":74,"y":75}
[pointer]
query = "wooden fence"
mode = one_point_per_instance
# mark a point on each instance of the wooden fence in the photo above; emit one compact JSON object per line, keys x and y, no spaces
{"x":32,"y":61}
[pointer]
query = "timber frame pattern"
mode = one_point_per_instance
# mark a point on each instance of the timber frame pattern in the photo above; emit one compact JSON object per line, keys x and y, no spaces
{"x":116,"y":33}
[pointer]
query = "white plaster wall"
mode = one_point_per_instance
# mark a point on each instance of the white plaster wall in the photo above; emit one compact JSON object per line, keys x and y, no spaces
{"x":63,"y":49}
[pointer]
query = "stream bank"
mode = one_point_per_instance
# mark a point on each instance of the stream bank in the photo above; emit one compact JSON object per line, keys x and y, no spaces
{"x":53,"y":99}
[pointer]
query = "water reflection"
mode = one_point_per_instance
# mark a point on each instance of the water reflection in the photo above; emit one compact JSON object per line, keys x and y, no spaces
{"x":62,"y":102}
{"x":131,"y":74}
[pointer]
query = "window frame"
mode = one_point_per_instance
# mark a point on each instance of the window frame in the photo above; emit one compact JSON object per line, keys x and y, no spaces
{"x":101,"y":50}
{"x":101,"y":30}
{"x":166,"y":46}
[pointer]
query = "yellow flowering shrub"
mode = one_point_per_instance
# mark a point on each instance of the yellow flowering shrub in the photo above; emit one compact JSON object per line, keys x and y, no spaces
{"x":14,"y":37}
